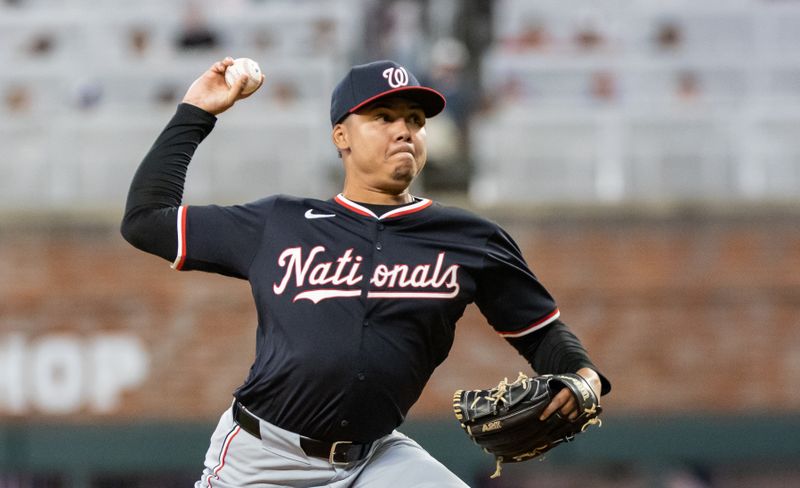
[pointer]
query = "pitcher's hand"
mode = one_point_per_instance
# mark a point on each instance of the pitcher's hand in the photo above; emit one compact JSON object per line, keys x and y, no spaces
{"x":565,"y":404}
{"x":210,"y":92}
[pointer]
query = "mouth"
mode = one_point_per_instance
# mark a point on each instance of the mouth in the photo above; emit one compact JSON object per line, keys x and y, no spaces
{"x":405,"y":149}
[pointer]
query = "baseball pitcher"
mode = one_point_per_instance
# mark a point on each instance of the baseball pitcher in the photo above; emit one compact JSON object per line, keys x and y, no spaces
{"x":357,"y":300}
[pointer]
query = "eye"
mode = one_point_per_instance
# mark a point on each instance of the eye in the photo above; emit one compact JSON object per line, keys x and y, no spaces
{"x":383,"y":117}
{"x":418,"y":120}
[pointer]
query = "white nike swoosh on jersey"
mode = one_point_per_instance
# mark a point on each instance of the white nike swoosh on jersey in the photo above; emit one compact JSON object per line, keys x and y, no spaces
{"x":311,"y":215}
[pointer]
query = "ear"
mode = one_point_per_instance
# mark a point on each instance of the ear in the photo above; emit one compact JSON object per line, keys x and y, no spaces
{"x":339,"y":137}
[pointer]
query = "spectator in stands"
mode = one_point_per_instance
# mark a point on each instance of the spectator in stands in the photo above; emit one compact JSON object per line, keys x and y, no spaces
{"x":324,"y":36}
{"x":284,"y":93}
{"x":534,"y":36}
{"x":138,"y":42}
{"x":447,"y":167}
{"x":166,"y":95}
{"x":41,"y":45}
{"x":395,"y":29}
{"x":88,"y":93}
{"x":668,"y":36}
{"x":263,"y":40}
{"x":18,"y":99}
{"x":603,"y":87}
{"x":449,"y":58}
{"x":588,"y":35}
{"x":688,"y":87}
{"x":508,"y":91}
{"x":195,"y":32}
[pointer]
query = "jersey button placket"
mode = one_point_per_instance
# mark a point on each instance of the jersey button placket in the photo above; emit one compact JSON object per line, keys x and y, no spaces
{"x":379,"y":227}
{"x":360,"y":375}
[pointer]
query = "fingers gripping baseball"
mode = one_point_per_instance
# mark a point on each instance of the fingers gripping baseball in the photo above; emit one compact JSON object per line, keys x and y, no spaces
{"x":211,"y":93}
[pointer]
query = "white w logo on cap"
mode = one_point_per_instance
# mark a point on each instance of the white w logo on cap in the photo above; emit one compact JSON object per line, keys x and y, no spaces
{"x":396,"y":77}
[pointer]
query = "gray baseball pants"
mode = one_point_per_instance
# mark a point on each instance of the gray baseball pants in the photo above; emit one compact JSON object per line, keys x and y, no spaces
{"x":237,"y":459}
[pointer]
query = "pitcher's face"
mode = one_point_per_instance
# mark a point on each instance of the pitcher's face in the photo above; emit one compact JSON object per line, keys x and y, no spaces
{"x":383,"y":144}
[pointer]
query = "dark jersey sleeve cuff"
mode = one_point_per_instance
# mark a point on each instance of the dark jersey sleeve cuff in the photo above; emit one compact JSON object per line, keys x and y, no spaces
{"x":555,"y":349}
{"x":186,"y":112}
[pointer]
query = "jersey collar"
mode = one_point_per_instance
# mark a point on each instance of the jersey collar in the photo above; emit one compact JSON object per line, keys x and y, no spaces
{"x":419,"y":204}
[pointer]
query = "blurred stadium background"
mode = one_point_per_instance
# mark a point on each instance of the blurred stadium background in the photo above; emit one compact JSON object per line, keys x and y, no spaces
{"x":645,"y":154}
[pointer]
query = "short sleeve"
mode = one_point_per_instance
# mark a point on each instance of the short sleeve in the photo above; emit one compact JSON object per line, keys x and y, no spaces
{"x":221,"y":239}
{"x":508,"y":294}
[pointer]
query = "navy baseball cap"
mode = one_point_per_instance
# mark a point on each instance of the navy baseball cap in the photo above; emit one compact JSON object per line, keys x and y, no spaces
{"x":366,"y":83}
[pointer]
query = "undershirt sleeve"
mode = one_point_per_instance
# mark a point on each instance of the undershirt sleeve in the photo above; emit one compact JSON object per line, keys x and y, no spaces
{"x":156,"y":192}
{"x":208,"y":238}
{"x":555,"y":349}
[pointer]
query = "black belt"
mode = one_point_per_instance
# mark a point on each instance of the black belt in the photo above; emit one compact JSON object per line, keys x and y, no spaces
{"x":339,"y":452}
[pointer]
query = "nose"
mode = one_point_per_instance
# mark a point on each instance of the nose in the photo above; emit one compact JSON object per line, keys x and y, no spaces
{"x":402,"y":132}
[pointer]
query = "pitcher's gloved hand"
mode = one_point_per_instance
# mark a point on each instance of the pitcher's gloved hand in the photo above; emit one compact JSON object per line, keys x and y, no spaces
{"x":505,"y":420}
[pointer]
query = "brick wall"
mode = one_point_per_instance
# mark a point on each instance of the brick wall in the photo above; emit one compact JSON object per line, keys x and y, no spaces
{"x":683,"y":313}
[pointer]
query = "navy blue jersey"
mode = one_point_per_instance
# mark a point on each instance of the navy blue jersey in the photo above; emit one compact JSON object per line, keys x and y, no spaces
{"x":356,"y":310}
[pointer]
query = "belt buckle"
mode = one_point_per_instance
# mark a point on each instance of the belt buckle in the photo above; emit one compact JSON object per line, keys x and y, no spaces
{"x":332,"y":456}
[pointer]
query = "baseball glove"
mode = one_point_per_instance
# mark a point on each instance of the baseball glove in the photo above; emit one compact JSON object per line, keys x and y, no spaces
{"x":504,"y":420}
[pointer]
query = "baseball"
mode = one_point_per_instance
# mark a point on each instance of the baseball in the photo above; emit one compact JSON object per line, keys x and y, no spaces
{"x":244,"y":66}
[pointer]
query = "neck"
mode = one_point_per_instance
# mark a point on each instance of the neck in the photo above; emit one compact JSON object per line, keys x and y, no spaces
{"x":376,"y":196}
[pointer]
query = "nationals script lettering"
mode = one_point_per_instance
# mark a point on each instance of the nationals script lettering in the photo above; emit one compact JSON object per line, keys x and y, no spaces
{"x":317,"y":279}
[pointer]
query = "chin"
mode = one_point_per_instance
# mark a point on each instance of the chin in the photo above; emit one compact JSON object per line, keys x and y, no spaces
{"x":404,"y":174}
